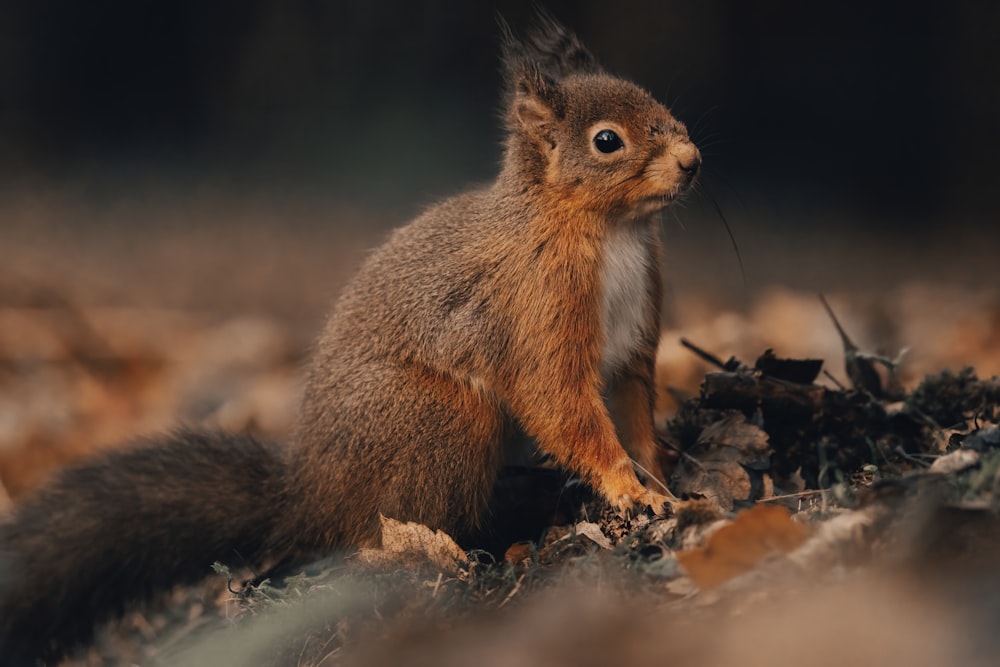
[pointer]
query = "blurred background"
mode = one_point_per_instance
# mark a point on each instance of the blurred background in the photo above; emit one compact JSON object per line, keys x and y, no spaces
{"x":170,"y":167}
{"x":840,"y":139}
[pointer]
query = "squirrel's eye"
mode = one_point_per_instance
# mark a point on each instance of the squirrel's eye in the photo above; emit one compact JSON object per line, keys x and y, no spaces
{"x":607,"y":141}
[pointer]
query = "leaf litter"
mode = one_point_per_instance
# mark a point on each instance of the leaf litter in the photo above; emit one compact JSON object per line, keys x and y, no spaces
{"x":801,"y":500}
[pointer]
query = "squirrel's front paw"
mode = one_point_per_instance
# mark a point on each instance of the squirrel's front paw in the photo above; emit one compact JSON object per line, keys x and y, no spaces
{"x":626,"y":492}
{"x":658,"y":502}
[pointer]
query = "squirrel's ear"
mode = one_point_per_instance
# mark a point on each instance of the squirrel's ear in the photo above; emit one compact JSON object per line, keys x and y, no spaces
{"x":535,"y":104}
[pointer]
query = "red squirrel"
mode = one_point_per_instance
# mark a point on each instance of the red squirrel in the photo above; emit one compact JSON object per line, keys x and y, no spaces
{"x":523,"y":311}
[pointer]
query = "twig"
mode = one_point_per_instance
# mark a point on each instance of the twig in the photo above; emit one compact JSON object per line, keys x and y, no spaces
{"x":654,"y":478}
{"x":800,"y":494}
{"x":437,"y":585}
{"x":902,"y":452}
{"x":302,"y":652}
{"x":693,"y":460}
{"x":517,"y":587}
{"x":704,"y":354}
{"x":837,"y":382}
{"x":849,"y":345}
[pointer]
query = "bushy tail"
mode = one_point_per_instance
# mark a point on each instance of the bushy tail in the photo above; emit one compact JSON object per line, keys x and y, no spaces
{"x":126,"y":524}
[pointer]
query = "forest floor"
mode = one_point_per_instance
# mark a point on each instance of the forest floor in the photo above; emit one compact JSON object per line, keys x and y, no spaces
{"x":838,"y":505}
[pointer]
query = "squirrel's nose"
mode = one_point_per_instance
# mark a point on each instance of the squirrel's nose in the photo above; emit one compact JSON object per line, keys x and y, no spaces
{"x":688,"y":160}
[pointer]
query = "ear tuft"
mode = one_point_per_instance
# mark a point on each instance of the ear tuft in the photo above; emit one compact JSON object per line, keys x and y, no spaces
{"x":557,"y":50}
{"x":533,"y":99}
{"x":550,"y":47}
{"x":533,"y":69}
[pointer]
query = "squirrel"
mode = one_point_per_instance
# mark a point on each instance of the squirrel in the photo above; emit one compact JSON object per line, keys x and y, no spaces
{"x":525,"y":311}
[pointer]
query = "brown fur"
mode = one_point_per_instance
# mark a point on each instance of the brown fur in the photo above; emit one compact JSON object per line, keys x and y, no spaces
{"x":486,"y":319}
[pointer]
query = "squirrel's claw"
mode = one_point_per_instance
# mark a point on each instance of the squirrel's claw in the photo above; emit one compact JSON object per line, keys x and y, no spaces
{"x":660,"y":504}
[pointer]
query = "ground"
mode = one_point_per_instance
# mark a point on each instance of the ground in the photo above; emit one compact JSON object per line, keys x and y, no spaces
{"x":830,"y":512}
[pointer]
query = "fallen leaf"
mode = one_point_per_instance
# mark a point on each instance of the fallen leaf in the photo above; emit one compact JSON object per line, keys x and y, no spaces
{"x":414,"y":545}
{"x":799,"y":371}
{"x":740,"y":545}
{"x":956,"y":461}
{"x":518,"y":552}
{"x":836,"y":540}
{"x":593,"y":532}
{"x":725,"y":464}
{"x":681,"y":586}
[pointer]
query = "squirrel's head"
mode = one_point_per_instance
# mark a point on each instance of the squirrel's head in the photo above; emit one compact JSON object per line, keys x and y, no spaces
{"x":603,"y":143}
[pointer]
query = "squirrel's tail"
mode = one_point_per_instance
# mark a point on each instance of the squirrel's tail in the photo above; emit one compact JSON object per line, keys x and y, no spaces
{"x":126,"y":524}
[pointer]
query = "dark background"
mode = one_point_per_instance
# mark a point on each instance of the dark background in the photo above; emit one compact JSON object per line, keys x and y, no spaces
{"x":848,"y":124}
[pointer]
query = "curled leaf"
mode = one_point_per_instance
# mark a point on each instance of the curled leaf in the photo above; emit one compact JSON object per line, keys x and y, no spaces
{"x":414,"y":545}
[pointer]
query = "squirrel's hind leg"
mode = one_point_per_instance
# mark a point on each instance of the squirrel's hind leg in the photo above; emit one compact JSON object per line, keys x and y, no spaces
{"x":412,"y":444}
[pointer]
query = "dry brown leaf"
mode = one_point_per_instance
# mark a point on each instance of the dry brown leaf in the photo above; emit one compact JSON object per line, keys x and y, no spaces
{"x":681,"y":587}
{"x":955,"y":461}
{"x":725,"y":464}
{"x":739,"y":546}
{"x":519,"y":552}
{"x":835,"y":539}
{"x":413,"y":545}
{"x":593,"y":532}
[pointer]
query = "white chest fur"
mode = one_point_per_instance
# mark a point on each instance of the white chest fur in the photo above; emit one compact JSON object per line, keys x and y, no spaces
{"x":625,"y":294}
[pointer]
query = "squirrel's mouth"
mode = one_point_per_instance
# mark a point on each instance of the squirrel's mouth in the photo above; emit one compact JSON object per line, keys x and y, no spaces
{"x":655,"y":204}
